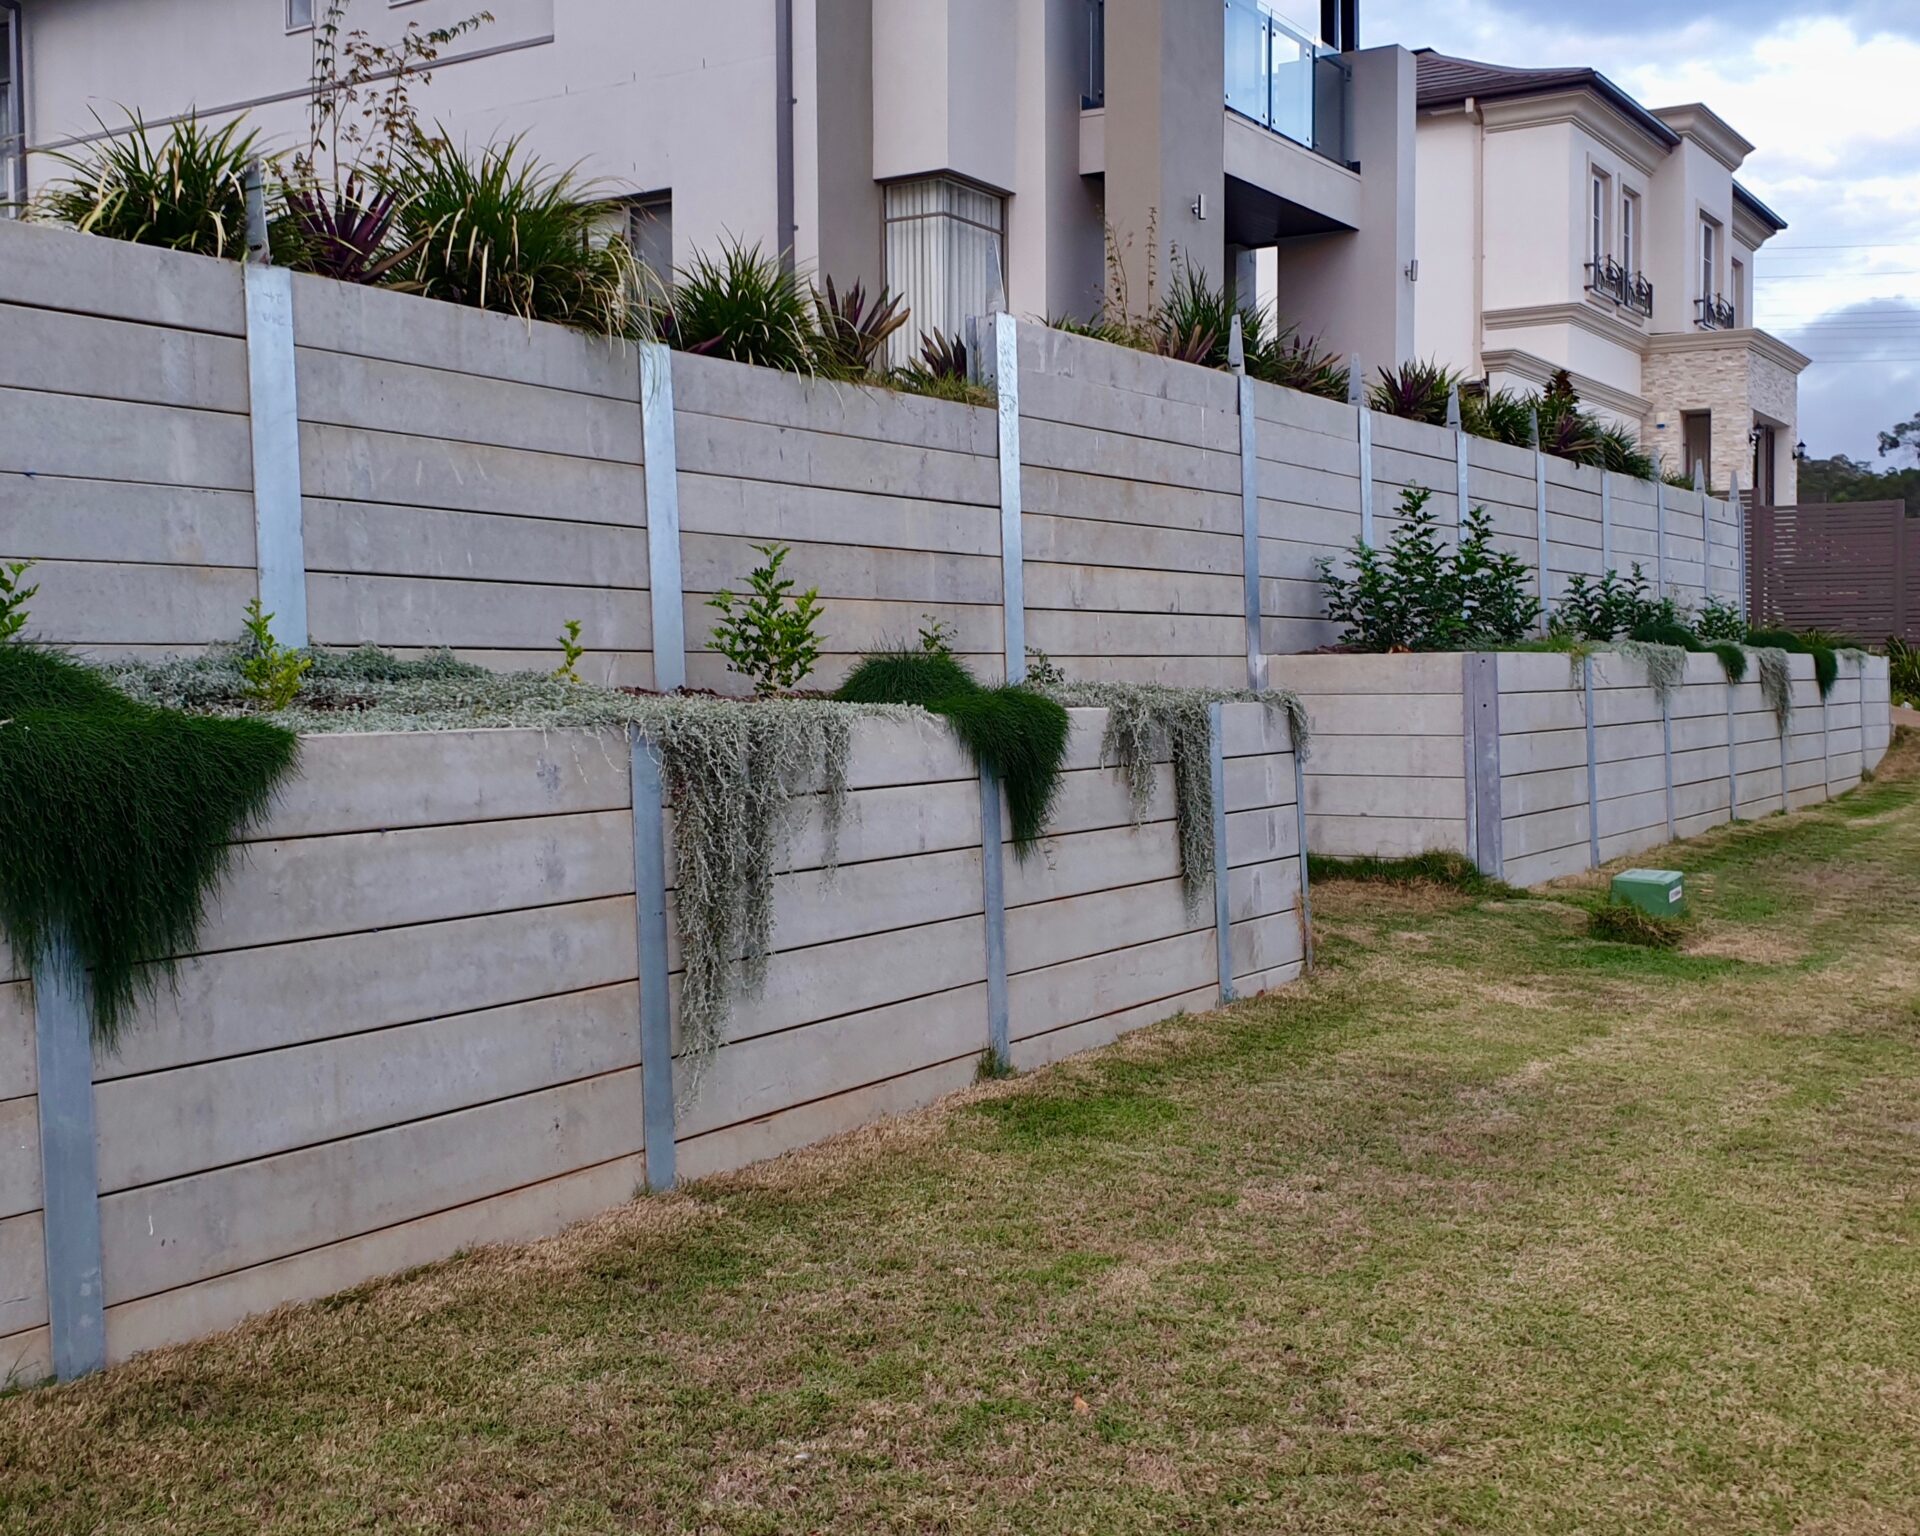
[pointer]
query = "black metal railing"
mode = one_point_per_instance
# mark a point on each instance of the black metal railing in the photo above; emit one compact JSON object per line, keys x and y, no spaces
{"x":1630,"y":290}
{"x":1715,"y":313}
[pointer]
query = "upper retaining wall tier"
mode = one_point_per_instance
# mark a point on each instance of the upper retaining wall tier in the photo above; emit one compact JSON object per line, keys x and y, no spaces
{"x":447,"y":477}
{"x":413,"y":1023}
{"x":1568,"y":785}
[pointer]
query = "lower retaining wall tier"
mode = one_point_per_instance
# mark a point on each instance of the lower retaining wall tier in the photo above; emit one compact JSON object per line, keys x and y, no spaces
{"x":414,"y":1023}
{"x":1539,"y":766}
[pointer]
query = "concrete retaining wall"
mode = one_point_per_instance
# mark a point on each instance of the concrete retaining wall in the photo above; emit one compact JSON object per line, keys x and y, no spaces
{"x":463,"y":479}
{"x":413,"y":1023}
{"x":1389,"y":772}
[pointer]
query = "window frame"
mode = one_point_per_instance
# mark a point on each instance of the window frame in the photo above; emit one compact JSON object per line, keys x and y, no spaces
{"x":293,"y":25}
{"x":1599,"y":209}
{"x":1709,"y":257}
{"x":1630,"y":232}
{"x":13,"y":124}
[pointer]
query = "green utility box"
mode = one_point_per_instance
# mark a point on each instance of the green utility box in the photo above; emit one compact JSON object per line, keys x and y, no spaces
{"x":1657,"y":892}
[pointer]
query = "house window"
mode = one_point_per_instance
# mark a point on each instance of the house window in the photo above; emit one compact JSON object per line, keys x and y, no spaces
{"x":1696,"y":437}
{"x":945,"y":255}
{"x":1630,"y":232}
{"x":650,"y":230}
{"x":1597,"y":242}
{"x":299,"y":15}
{"x":1709,"y":257}
{"x":1736,"y":286}
{"x":13,"y":117}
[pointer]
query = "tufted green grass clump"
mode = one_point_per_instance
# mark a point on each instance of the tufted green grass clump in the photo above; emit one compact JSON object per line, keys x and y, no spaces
{"x":117,"y":819}
{"x":1019,"y":734}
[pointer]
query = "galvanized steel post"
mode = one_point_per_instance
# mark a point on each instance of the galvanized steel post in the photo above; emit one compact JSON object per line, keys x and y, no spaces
{"x":273,"y":418}
{"x":656,"y":1012}
{"x":661,"y":474}
{"x":69,"y":1178}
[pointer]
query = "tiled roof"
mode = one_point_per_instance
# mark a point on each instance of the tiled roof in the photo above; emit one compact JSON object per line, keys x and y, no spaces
{"x":1445,"y":81}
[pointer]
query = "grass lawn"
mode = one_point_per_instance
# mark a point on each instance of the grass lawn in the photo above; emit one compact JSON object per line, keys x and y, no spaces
{"x":1489,"y":1227}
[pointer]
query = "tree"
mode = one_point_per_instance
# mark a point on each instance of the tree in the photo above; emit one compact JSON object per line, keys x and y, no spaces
{"x":1903,"y":439}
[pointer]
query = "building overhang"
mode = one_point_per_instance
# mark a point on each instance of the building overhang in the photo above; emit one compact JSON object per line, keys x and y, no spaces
{"x":1584,"y":109}
{"x":1277,"y":188}
{"x":1754,"y":223}
{"x":1705,"y":127}
{"x":1586,"y":317}
{"x":1538,"y":372}
{"x":1751,"y":340}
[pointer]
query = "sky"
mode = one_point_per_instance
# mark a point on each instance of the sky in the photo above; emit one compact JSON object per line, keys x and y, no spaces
{"x":1829,"y":94}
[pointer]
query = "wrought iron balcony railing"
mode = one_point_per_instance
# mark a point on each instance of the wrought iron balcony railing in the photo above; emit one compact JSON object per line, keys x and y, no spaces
{"x":1630,"y":290}
{"x":1715,"y":313}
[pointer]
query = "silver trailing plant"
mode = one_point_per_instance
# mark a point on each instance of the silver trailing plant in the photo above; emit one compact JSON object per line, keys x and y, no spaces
{"x":1776,"y":682}
{"x":1666,"y":666}
{"x":740,"y":778}
{"x":1146,"y":723}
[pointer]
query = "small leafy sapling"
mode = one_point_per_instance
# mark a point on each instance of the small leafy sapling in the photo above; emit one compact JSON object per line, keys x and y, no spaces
{"x":936,"y":636}
{"x":768,"y":635}
{"x":271,"y":672}
{"x":571,"y":650}
{"x":1042,"y":670}
{"x":14,"y":598}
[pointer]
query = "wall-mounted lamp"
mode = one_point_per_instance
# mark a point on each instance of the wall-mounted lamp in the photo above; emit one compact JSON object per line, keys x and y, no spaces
{"x":1800,"y":453}
{"x":1200,"y":207}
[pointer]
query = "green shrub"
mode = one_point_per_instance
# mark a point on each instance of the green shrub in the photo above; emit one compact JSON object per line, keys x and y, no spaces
{"x":1618,"y":923}
{"x":273,"y":672}
{"x":745,"y":306}
{"x":1605,"y":609}
{"x":1018,"y":734}
{"x":1903,"y":671}
{"x":14,"y":598}
{"x":770,"y":635}
{"x":1720,"y":620}
{"x":1421,"y":595}
{"x":1414,"y":392}
{"x":1501,"y":415}
{"x":1441,"y":867}
{"x":187,"y":193}
{"x":118,"y":819}
{"x":1507,"y":416}
{"x":500,"y":230}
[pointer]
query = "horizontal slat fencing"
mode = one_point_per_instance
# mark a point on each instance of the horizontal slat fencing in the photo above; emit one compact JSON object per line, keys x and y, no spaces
{"x":1385,"y":775}
{"x":125,"y":468}
{"x":1543,"y":767}
{"x":469,"y":481}
{"x":472,"y":481}
{"x":411,"y":1027}
{"x":1386,"y":772}
{"x":25,"y":1350}
{"x":413,"y":1021}
{"x":1131,"y":513}
{"x":890,"y":504}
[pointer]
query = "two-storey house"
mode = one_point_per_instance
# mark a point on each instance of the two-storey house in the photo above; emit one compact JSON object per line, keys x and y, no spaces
{"x":1564,"y":225}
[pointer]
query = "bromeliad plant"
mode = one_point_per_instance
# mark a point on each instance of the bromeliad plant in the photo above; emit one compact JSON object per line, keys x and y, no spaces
{"x":1414,"y":392}
{"x":1419,"y":595}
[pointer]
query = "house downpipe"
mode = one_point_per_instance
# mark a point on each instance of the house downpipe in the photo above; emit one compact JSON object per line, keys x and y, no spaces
{"x":783,"y":128}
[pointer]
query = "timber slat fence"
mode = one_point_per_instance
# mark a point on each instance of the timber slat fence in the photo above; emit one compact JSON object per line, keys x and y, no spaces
{"x":1850,"y":567}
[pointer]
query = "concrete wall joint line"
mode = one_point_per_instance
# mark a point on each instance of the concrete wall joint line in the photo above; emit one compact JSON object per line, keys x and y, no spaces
{"x":650,"y":920}
{"x":273,"y":418}
{"x":69,"y":1162}
{"x":661,"y":477}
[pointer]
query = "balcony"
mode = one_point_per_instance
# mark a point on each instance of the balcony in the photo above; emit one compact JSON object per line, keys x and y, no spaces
{"x":1712,"y":312}
{"x":1286,"y":80}
{"x":1630,"y":290}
